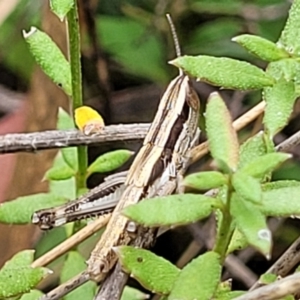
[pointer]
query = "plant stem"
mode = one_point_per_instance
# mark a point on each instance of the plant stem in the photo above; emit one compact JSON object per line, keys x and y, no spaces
{"x":75,"y":64}
{"x":225,"y":230}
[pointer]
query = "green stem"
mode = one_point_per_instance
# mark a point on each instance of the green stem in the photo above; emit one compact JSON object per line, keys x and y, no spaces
{"x":225,"y":230}
{"x":75,"y":64}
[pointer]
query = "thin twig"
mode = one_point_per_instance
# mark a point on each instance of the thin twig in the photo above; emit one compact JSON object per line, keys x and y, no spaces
{"x":112,"y":287}
{"x":290,"y":142}
{"x":276,"y":290}
{"x":74,"y":240}
{"x":239,"y":270}
{"x":66,"y":287}
{"x":285,"y":263}
{"x":35,"y":141}
{"x":32,"y":142}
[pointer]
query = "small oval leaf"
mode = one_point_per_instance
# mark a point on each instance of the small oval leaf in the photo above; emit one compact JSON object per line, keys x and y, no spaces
{"x":18,"y":277}
{"x":109,"y":161}
{"x":61,"y":7}
{"x":222,"y":138}
{"x":151,"y":271}
{"x":16,"y":281}
{"x":63,"y":188}
{"x":247,"y":187}
{"x":280,"y":184}
{"x":20,"y":210}
{"x":70,"y":156}
{"x":267,"y":278}
{"x":199,"y":279}
{"x":64,"y":120}
{"x":205,"y":180}
{"x":130,"y":293}
{"x":182,"y":209}
{"x":225,"y":72}
{"x":59,"y":173}
{"x":263,"y":48}
{"x":237,"y":242}
{"x":50,"y":58}
{"x":22,"y":258}
{"x":265,"y":164}
{"x":32,"y":295}
{"x":280,"y":99}
{"x":252,"y":223}
{"x":281,"y":201}
{"x":290,"y":36}
{"x":251,"y":149}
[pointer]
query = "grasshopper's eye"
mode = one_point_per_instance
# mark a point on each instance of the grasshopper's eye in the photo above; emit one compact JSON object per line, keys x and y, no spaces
{"x":88,"y":120}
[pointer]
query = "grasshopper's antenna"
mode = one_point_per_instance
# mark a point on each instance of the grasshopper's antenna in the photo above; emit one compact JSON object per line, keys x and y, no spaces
{"x":174,"y":35}
{"x":175,"y":39}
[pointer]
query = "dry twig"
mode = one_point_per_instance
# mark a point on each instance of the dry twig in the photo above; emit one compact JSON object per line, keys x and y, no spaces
{"x":35,"y":141}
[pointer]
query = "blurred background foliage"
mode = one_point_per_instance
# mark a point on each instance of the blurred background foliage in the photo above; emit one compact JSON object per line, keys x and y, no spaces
{"x":135,"y":34}
{"x":126,"y":46}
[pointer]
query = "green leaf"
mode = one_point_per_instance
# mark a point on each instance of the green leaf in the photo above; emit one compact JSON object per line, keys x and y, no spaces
{"x":142,"y":53}
{"x":263,"y":48}
{"x":224,"y":286}
{"x":251,"y":149}
{"x":64,"y":188}
{"x":265,"y":164}
{"x":130,"y":293}
{"x":151,"y":271}
{"x":50,"y":240}
{"x":182,"y":209}
{"x":70,"y":156}
{"x":64,"y":120}
{"x":61,"y":7}
{"x":20,"y":280}
{"x":33,"y":295}
{"x":213,"y":37}
{"x":74,"y":264}
{"x":229,"y":295}
{"x":199,"y":279}
{"x":23,"y":258}
{"x":59,"y":173}
{"x":20,"y":210}
{"x":205,"y":180}
{"x":247,"y":187}
{"x":62,"y":166}
{"x":267,"y":278}
{"x":50,"y":58}
{"x":225,"y":72}
{"x":222,"y":138}
{"x":12,"y":45}
{"x":281,"y":201}
{"x":285,"y":69}
{"x":109,"y":161}
{"x":252,"y":223}
{"x":280,"y":184}
{"x":224,"y":291}
{"x":290,"y":36}
{"x":280,"y":99}
{"x":237,"y":242}
{"x":18,"y":277}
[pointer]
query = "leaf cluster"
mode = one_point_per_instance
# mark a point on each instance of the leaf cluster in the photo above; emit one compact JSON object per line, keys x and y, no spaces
{"x":245,"y":196}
